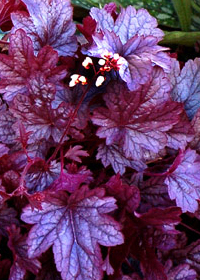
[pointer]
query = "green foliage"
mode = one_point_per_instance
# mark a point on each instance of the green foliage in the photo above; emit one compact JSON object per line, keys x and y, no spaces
{"x":177,"y":14}
{"x":181,"y":38}
{"x":183,"y":10}
{"x":195,"y":20}
{"x":163,"y":10}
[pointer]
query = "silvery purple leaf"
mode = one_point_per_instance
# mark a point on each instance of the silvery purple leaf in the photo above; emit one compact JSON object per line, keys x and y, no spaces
{"x":128,"y":123}
{"x":181,"y":134}
{"x":71,"y":179}
{"x":17,"y":272}
{"x":3,"y":150}
{"x":141,"y":53}
{"x":40,"y":118}
{"x":195,"y":144}
{"x":74,"y":228}
{"x":182,"y":272}
{"x":134,"y":36}
{"x":18,"y":245}
{"x":50,"y":23}
{"x":128,"y":23}
{"x":103,"y":18}
{"x":115,"y":156}
{"x":41,"y":175}
{"x":187,"y":86}
{"x":131,"y":22}
{"x":183,"y":181}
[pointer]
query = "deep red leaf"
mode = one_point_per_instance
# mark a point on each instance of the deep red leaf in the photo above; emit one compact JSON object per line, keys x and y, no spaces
{"x":128,"y":196}
{"x":20,"y":64}
{"x":6,"y":8}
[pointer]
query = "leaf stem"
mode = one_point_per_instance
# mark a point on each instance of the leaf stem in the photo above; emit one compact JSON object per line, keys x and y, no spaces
{"x":190,"y":228}
{"x":70,"y":121}
{"x":4,"y":42}
{"x":181,"y":38}
{"x":183,"y":10}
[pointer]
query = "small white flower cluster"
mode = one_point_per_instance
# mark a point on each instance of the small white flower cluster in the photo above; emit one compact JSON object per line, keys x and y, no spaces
{"x":76,"y":79}
{"x":108,"y":62}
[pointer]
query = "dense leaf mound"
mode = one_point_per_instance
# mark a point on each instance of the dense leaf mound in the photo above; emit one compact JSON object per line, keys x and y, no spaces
{"x":99,"y":147}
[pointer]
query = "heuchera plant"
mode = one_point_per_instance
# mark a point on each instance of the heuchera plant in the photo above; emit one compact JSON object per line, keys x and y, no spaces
{"x":99,"y":147}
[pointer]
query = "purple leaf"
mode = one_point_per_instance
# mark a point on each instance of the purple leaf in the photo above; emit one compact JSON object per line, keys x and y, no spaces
{"x":20,"y":64}
{"x":110,"y":42}
{"x":174,"y":71}
{"x":15,"y":68}
{"x":134,"y":36}
{"x":182,"y":272}
{"x":73,"y":97}
{"x":49,"y":23}
{"x":47,"y":60}
{"x":88,"y":28}
{"x":155,"y":219}
{"x":154,"y":193}
{"x":183,"y":181}
{"x":187,"y":87}
{"x":141,"y":54}
{"x":164,"y":241}
{"x":113,"y":155}
{"x":17,"y":244}
{"x":128,"y":196}
{"x":158,"y":216}
{"x":192,"y":255}
{"x":6,"y":8}
{"x":17,"y":272}
{"x":71,"y":179}
{"x":181,"y":134}
{"x":7,"y":218}
{"x":66,"y":224}
{"x":7,"y":133}
{"x":40,"y":148}
{"x":107,"y":266}
{"x":129,"y":23}
{"x":136,"y":72}
{"x":23,"y":135}
{"x":75,"y":152}
{"x":43,"y":123}
{"x":103,"y":18}
{"x":189,"y":254}
{"x":195,"y":144}
{"x":131,"y":125}
{"x":3,"y":150}
{"x":41,"y":175}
